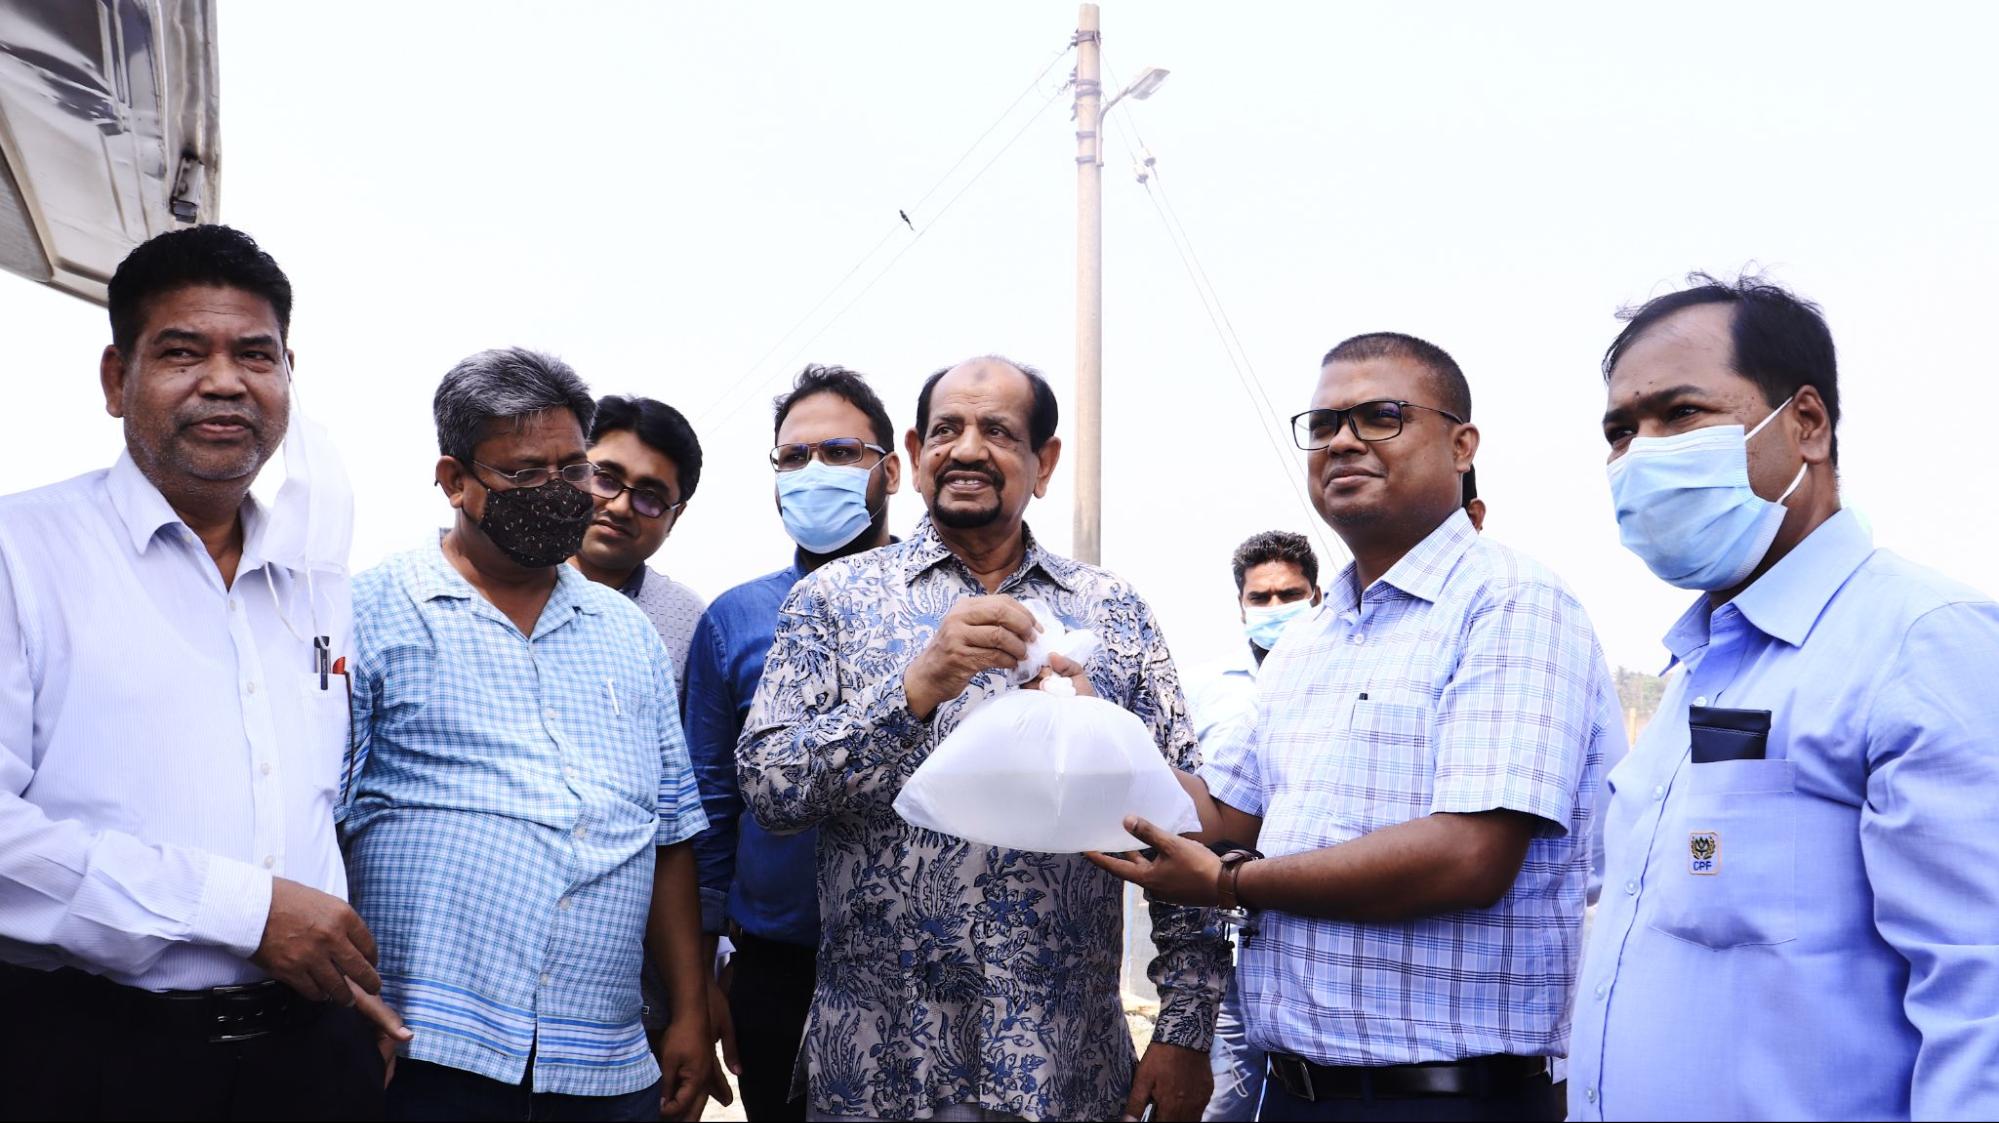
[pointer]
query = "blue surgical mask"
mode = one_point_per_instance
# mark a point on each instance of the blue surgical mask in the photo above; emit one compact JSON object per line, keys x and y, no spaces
{"x":1264,"y":626}
{"x":1684,"y":505}
{"x":824,"y":507}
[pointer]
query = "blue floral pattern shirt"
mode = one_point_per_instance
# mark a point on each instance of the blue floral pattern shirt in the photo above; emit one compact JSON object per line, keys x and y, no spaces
{"x":951,"y":972}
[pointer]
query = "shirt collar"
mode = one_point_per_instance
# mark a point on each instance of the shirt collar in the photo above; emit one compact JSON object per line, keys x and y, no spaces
{"x":143,"y":510}
{"x":926,"y":550}
{"x":435,"y":577}
{"x":1787,"y":601}
{"x":1422,"y":571}
{"x":636,"y":583}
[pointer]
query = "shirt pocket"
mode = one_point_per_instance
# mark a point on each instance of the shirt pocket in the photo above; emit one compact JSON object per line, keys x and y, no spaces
{"x":1726,"y":874}
{"x":323,"y":738}
{"x":1389,"y":759}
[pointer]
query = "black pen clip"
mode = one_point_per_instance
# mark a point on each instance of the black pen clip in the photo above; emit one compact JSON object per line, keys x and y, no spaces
{"x":322,"y":657}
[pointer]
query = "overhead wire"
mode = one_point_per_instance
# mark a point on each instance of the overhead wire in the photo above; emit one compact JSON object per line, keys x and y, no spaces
{"x":732,"y":395}
{"x":1211,"y":303}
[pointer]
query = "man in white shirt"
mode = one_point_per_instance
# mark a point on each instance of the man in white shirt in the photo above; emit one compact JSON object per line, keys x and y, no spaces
{"x":174,"y":935}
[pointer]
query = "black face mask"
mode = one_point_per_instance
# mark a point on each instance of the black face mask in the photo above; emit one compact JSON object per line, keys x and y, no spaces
{"x":538,"y":526}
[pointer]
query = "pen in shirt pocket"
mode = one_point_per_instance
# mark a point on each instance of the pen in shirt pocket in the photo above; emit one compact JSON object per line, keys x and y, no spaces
{"x":611,"y":688}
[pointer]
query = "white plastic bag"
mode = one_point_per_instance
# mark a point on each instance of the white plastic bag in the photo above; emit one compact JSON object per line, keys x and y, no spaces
{"x":1047,"y":769}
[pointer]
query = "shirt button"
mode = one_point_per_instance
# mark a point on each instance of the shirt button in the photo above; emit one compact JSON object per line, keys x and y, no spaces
{"x":1602,"y":989}
{"x":582,"y":832}
{"x":1356,"y":638}
{"x":1701,"y":701}
{"x":264,"y":768}
{"x":235,"y":606}
{"x":250,"y":687}
{"x":563,"y":903}
{"x":544,"y":982}
{"x":1589,"y":1094}
{"x":1631,"y":887}
{"x":549,"y":712}
{"x":270,"y":860}
{"x":1658,"y":791}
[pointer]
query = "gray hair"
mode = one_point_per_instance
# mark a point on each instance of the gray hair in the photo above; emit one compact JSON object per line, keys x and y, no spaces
{"x":504,"y":383}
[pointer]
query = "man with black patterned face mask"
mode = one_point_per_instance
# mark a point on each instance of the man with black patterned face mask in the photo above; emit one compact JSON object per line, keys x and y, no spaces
{"x":521,"y":801}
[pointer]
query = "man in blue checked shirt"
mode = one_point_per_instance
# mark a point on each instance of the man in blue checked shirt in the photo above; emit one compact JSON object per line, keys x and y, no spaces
{"x":1421,"y":769}
{"x":522,"y":800}
{"x":1797,"y":918}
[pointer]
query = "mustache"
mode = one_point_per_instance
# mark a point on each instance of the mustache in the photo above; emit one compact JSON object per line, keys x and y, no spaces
{"x":243,"y":414}
{"x":991,"y":474}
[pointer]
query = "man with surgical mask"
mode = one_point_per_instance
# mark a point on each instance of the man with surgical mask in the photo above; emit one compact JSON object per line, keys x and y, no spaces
{"x":834,"y":474}
{"x":1277,"y":581}
{"x":1797,"y":911}
{"x":522,"y":801}
{"x":175,"y":939}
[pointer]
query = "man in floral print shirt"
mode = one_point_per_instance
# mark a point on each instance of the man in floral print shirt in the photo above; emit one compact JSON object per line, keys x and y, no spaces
{"x":959,"y":981}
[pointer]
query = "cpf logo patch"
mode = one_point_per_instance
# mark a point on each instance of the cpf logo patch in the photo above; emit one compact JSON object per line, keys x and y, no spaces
{"x":1704,"y":853}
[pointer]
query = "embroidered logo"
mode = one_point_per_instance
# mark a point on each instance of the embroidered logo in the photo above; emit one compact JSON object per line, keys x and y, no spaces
{"x":1704,"y":852}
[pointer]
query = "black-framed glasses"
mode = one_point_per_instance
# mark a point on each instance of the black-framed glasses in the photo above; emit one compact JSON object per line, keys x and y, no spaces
{"x":646,"y":503}
{"x":1370,"y":421}
{"x":578,"y":475}
{"x":836,"y":452}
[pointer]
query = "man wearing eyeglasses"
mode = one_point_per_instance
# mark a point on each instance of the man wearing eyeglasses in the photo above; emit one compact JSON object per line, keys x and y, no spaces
{"x":1420,"y":774}
{"x":521,"y":802}
{"x":833,"y":475}
{"x":648,"y":451}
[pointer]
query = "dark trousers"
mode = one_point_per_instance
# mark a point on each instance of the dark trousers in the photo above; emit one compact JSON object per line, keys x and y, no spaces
{"x":770,"y":996}
{"x":74,"y":1046}
{"x":425,"y":1091}
{"x":1531,"y":1099}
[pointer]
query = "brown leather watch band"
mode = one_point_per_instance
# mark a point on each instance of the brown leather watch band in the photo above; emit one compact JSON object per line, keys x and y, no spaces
{"x":1225,"y":877}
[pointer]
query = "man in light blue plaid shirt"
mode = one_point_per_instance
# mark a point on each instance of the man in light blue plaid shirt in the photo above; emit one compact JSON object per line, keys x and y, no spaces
{"x":1421,"y":769}
{"x":522,"y":800}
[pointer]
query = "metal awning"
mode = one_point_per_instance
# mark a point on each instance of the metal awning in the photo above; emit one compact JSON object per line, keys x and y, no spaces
{"x":108,"y":132}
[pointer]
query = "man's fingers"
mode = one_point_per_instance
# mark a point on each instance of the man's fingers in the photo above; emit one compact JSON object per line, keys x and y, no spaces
{"x":363,"y":940}
{"x":311,"y":981}
{"x":718,"y":1088}
{"x":1003,"y":611}
{"x":1118,"y":867}
{"x":358,"y":970}
{"x":387,"y":1021}
{"x":988,"y":640}
{"x":1147,"y":833}
{"x":683,"y":1092}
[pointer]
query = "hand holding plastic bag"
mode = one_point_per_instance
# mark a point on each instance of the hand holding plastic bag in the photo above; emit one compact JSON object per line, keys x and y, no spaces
{"x":1047,"y":769}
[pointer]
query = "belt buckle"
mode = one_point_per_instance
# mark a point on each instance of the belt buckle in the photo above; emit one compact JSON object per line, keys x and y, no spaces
{"x":253,"y":1018}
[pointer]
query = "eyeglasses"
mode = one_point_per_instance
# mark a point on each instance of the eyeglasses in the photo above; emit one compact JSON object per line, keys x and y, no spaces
{"x":1371,"y":421}
{"x":646,"y":503}
{"x":838,"y":452}
{"x":577,"y":475}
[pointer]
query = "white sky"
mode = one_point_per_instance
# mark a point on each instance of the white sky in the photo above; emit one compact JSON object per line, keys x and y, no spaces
{"x":658,"y":191}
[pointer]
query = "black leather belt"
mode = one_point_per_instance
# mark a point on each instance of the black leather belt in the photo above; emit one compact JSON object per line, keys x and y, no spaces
{"x":220,"y":1015}
{"x":1478,"y":1076}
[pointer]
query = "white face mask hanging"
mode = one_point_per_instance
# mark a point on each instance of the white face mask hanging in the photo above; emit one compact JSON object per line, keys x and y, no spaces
{"x":310,"y":526}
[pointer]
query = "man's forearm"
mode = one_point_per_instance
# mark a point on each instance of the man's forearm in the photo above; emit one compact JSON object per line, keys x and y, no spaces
{"x":674,"y":933}
{"x":1437,"y":864}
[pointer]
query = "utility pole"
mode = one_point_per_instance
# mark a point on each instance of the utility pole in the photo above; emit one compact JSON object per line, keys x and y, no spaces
{"x":1087,"y":542}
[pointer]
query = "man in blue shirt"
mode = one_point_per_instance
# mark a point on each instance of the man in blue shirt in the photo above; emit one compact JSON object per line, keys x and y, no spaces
{"x":835,"y":475}
{"x":522,"y":799}
{"x":1797,"y":913}
{"x":1421,"y":767}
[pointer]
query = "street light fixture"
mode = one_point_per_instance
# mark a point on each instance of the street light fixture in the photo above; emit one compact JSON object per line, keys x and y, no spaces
{"x":1140,"y":88}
